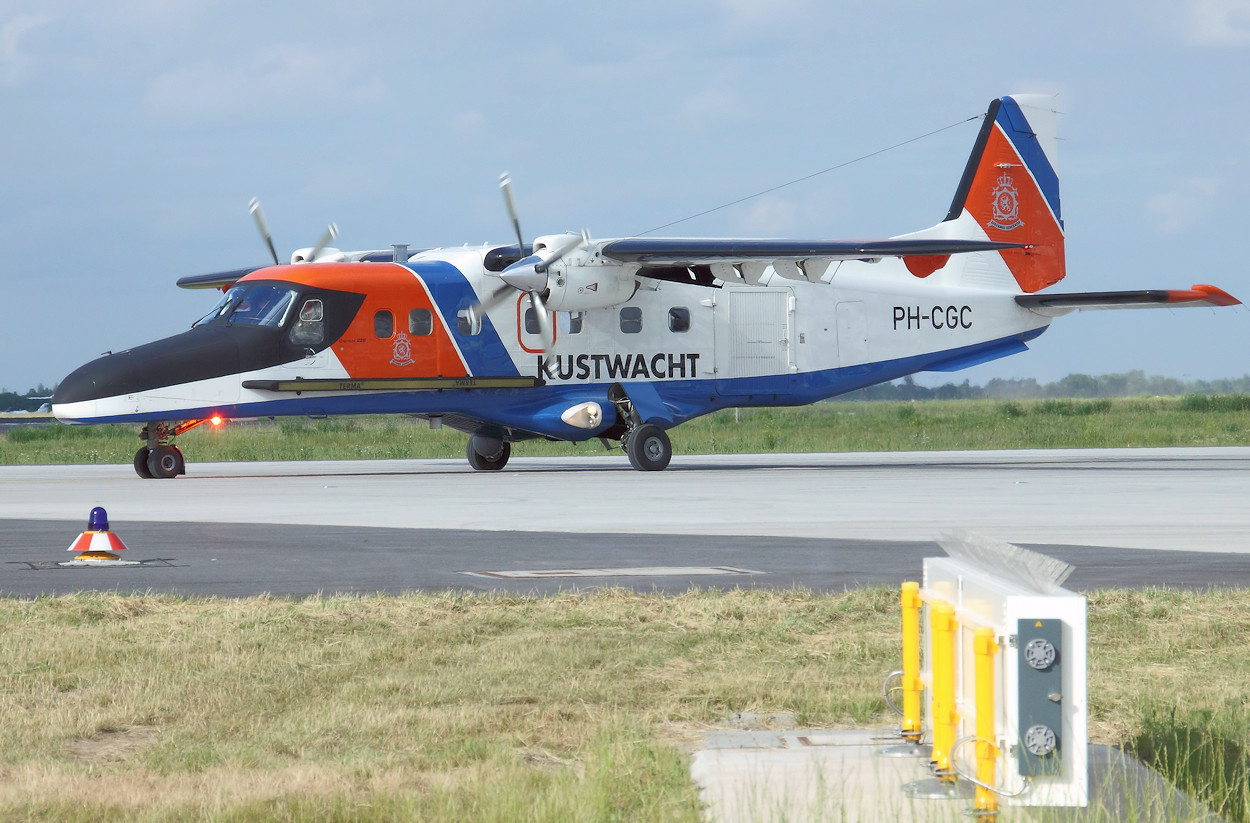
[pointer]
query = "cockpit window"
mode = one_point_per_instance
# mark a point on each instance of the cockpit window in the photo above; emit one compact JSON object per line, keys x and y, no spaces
{"x":309,"y":328}
{"x":262,"y":305}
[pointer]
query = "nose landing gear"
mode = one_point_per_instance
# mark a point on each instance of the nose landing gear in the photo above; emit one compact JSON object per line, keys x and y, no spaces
{"x":159,"y":458}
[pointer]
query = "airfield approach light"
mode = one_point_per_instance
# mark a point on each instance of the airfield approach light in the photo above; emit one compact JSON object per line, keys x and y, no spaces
{"x":97,"y":544}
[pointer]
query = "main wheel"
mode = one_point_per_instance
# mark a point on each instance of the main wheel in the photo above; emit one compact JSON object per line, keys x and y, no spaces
{"x":165,"y":462}
{"x":141,"y":463}
{"x":493,"y":461}
{"x":648,"y":448}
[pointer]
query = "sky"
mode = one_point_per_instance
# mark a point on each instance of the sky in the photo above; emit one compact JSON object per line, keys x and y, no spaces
{"x":134,"y":132}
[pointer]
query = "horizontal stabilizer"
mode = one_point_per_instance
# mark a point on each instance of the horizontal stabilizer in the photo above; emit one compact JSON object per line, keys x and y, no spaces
{"x":1056,"y":304}
{"x":676,"y":252}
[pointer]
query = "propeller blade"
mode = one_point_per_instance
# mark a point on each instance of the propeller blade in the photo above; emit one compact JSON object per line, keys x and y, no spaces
{"x":479,"y":309}
{"x":505,"y":183}
{"x":332,"y":231}
{"x":544,"y":320}
{"x":259,"y":217}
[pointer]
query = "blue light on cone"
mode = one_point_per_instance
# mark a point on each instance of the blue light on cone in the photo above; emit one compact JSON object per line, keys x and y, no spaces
{"x":98,"y":520}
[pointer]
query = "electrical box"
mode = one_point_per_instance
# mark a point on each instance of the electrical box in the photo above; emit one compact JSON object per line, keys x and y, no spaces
{"x":1040,"y":701}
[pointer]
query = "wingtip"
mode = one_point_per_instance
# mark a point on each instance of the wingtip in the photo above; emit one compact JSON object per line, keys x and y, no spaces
{"x":1216,"y":296}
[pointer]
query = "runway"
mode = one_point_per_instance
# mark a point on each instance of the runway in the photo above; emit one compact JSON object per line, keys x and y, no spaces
{"x":826,"y":521}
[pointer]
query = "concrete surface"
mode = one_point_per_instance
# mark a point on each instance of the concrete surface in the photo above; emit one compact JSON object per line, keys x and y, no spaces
{"x":1176,"y":499}
{"x":822,"y":775}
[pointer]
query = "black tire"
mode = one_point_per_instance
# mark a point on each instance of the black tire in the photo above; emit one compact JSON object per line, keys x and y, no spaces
{"x":648,"y":448}
{"x":165,"y":462}
{"x":141,"y":463}
{"x":482,"y":463}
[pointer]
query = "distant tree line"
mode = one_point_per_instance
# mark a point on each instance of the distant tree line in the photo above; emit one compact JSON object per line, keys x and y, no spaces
{"x":30,"y":401}
{"x":1131,"y":384}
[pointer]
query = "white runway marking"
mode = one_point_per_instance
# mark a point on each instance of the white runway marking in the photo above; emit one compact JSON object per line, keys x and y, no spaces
{"x":644,"y":571}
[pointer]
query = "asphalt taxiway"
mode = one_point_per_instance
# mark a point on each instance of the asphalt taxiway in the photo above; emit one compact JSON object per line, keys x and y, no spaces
{"x":827,"y":521}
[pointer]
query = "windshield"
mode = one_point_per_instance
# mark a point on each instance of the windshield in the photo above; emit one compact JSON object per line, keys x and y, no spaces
{"x":228,"y":299}
{"x":252,"y":305}
{"x":263,"y":306}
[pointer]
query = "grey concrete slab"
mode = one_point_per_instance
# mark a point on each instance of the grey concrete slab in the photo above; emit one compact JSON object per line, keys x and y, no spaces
{"x":1174,"y":499}
{"x":837,"y":775}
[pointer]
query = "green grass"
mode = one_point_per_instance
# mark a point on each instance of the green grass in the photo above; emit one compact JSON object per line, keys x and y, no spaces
{"x":1193,"y":420}
{"x":576,"y":707}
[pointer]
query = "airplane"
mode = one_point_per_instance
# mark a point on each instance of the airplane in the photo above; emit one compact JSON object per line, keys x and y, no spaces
{"x":571,"y":338}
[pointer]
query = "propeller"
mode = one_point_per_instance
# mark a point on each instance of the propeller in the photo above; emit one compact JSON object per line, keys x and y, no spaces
{"x":528,"y":275}
{"x":331,"y":232}
{"x":259,"y":217}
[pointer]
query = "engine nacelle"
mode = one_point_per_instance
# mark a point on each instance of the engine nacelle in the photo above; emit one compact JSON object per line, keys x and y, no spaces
{"x":576,"y":283}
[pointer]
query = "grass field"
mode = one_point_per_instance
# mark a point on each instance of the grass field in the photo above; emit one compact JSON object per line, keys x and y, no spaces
{"x":574,"y":707}
{"x":1194,"y":420}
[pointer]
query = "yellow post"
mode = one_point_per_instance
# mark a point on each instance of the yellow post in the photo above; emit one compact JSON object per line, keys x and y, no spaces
{"x":987,"y":753}
{"x":911,"y":662}
{"x":945,"y":719}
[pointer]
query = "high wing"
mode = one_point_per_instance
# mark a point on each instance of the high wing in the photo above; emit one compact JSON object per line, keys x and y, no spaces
{"x":745,"y":260}
{"x":226,"y":279}
{"x":1056,"y":304}
{"x":217,"y":279}
{"x":683,"y":251}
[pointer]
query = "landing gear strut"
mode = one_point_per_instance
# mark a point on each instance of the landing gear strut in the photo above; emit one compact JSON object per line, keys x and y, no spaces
{"x":488,"y":454}
{"x":159,"y":458}
{"x":646,"y":444}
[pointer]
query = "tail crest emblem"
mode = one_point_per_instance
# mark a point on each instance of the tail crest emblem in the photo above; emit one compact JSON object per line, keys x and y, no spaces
{"x":1006,"y":203}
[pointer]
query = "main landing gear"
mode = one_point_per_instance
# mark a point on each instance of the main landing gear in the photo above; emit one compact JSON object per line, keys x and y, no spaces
{"x":646,"y":445}
{"x":648,"y":448}
{"x":488,"y":454}
{"x":159,"y":458}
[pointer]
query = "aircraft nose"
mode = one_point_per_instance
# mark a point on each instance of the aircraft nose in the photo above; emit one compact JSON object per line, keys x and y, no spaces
{"x":198,"y":354}
{"x":79,"y":385}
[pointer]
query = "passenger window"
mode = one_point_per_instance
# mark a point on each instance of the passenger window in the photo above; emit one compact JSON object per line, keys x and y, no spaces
{"x":570,"y":322}
{"x":531,"y":322}
{"x":631,"y":320}
{"x":420,"y":323}
{"x":679,"y":319}
{"x":383,"y":324}
{"x":467,"y":322}
{"x":309,"y":327}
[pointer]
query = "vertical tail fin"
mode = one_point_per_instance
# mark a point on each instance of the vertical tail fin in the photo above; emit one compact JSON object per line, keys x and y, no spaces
{"x":1011,"y":190}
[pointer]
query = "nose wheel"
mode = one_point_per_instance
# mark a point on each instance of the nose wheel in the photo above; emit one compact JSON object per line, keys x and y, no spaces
{"x":159,"y":458}
{"x":160,"y":463}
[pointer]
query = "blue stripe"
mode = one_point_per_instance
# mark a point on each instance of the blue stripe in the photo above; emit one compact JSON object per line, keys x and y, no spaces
{"x":484,"y":353}
{"x":1017,"y":128}
{"x":537,"y":410}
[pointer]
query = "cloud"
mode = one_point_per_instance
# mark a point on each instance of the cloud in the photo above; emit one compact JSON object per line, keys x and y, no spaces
{"x":1219,"y":22}
{"x":12,"y":62}
{"x":280,"y":80}
{"x":1175,"y":211}
{"x":771,"y":216}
